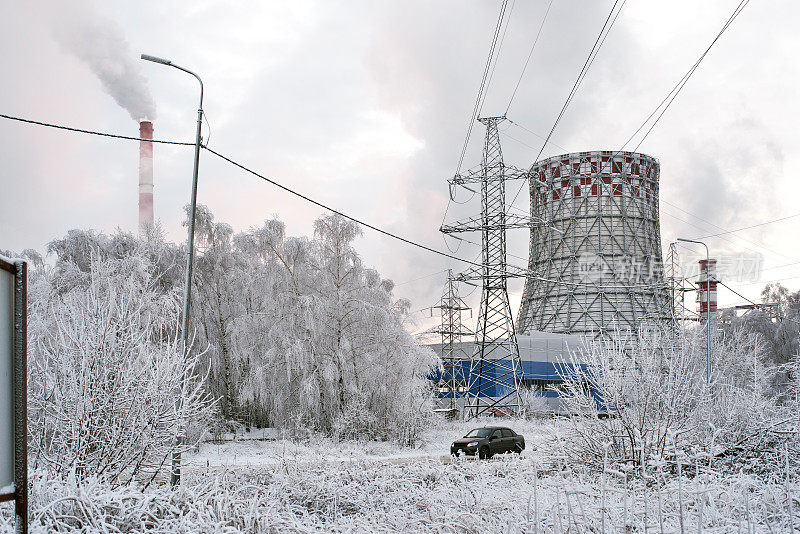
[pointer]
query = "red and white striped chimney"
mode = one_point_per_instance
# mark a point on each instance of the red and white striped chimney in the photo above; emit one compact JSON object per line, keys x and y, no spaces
{"x":145,"y":174}
{"x":707,"y":288}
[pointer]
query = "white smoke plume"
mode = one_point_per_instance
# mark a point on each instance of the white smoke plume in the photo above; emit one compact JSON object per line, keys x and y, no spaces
{"x":101,"y":44}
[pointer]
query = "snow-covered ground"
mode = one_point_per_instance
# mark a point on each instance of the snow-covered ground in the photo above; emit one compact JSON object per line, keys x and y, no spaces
{"x":319,"y":485}
{"x":268,"y":447}
{"x":325,"y":485}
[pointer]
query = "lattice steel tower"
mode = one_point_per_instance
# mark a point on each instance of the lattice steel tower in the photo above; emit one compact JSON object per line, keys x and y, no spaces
{"x":495,"y":368}
{"x":677,"y":287}
{"x":452,"y":381}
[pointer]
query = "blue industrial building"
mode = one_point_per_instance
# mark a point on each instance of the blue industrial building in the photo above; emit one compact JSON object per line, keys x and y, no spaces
{"x":545,"y":358}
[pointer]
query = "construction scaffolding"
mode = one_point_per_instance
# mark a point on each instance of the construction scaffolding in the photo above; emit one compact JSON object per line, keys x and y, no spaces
{"x":495,"y":369}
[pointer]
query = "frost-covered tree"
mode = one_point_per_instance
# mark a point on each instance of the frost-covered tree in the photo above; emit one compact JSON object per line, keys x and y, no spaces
{"x":290,"y":332}
{"x":327,"y":350}
{"x":103,"y":375}
{"x":779,"y":331}
{"x":218,"y":287}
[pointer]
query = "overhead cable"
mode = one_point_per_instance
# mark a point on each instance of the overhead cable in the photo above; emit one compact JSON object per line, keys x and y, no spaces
{"x":476,"y":109}
{"x":751,"y":226}
{"x":528,"y":59}
{"x":531,"y":132}
{"x":481,"y":88}
{"x":740,"y":238}
{"x":337,"y":212}
{"x":93,"y":132}
{"x":229,"y":160}
{"x":670,"y":98}
{"x":497,"y":56}
{"x":589,"y":60}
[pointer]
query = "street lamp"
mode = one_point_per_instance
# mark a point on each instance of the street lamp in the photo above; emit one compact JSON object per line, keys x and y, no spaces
{"x":708,"y":310}
{"x":175,"y":477}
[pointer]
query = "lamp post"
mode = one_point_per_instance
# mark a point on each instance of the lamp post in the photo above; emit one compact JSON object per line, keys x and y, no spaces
{"x":708,"y":310}
{"x":175,"y":476}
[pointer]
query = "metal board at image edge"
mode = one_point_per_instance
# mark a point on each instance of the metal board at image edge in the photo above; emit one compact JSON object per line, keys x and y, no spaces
{"x":7,"y":272}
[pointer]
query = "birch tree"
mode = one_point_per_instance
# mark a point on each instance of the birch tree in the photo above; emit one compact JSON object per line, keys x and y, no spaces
{"x":103,"y":382}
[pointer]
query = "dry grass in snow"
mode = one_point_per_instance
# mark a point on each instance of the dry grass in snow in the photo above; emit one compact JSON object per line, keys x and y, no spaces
{"x":311,"y":490}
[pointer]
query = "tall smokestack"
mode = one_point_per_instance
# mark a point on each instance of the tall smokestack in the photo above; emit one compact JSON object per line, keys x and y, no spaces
{"x":145,"y":174}
{"x":707,"y":288}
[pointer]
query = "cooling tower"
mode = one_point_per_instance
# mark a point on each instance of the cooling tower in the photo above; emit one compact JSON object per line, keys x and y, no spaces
{"x":596,"y":263}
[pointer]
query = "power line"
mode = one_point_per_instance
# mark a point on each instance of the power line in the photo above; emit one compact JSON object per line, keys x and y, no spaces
{"x":752,"y":226}
{"x":604,"y":39}
{"x":479,"y":99}
{"x":670,"y":97}
{"x":337,"y":212}
{"x":532,"y":132}
{"x":780,"y":266}
{"x":763,"y":282}
{"x":754,"y":304}
{"x":497,"y":56}
{"x":589,"y":60}
{"x":420,"y":278}
{"x":525,"y":66}
{"x":581,"y":74}
{"x":559,"y":280}
{"x":273,"y":182}
{"x":92,"y":132}
{"x":476,"y":108}
{"x":682,"y":82}
{"x":720,"y":228}
{"x":737,"y":293}
{"x":246,"y":169}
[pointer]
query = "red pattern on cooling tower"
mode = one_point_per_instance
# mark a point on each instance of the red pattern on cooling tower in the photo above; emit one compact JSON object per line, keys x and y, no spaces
{"x":577,"y":176}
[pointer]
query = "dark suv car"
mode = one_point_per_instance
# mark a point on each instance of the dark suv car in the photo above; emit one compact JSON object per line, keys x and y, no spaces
{"x":488,"y":441}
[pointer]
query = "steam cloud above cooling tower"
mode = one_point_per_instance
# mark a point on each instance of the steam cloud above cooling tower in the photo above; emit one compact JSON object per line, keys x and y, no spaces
{"x":101,"y":44}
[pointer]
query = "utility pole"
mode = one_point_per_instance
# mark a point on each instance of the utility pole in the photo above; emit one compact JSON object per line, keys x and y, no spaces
{"x":707,"y":283}
{"x":495,"y":372}
{"x":175,"y":476}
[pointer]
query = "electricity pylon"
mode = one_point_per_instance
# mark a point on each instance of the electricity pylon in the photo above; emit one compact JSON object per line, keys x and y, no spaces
{"x":495,"y":372}
{"x":453,"y":380}
{"x":677,"y":288}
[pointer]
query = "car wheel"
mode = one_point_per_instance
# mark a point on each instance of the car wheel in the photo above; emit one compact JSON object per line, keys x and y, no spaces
{"x":484,"y":453}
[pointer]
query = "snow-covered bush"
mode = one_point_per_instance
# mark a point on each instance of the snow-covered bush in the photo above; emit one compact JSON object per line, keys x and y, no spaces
{"x":534,"y":404}
{"x":648,"y":381}
{"x":103,"y":377}
{"x":652,"y":386}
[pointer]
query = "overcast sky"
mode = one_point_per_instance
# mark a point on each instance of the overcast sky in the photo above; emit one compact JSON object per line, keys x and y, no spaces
{"x":365,"y":106}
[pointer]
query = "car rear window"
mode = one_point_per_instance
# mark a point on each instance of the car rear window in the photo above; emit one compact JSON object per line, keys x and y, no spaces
{"x":508,"y":433}
{"x":479,"y":433}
